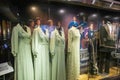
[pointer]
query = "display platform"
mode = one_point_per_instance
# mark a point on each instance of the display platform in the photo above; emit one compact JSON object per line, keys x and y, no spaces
{"x":112,"y":76}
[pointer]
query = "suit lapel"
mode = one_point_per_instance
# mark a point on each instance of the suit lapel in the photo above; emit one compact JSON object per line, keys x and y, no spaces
{"x":107,"y":29}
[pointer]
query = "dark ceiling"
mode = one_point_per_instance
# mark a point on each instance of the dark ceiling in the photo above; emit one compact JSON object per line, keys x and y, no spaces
{"x":10,"y":8}
{"x":117,"y":0}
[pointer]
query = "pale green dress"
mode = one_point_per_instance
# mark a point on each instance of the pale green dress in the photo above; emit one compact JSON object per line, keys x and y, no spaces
{"x":40,"y":50}
{"x":73,"y":55}
{"x":21,"y":49}
{"x":57,"y":47}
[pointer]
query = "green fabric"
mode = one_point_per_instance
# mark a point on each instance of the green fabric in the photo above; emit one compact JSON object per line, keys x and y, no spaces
{"x":57,"y":46}
{"x":14,"y":41}
{"x":73,"y":55}
{"x":21,"y":49}
{"x":41,"y":54}
{"x":14,"y":47}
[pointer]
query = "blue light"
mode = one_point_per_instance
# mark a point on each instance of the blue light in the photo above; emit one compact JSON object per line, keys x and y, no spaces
{"x":5,"y":46}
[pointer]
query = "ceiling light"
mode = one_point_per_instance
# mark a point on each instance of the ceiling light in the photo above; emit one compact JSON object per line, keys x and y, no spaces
{"x":94,"y":15}
{"x":33,"y":8}
{"x":18,"y":14}
{"x":61,"y":11}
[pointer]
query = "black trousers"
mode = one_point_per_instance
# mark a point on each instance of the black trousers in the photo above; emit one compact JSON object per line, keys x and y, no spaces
{"x":92,"y":57}
{"x":104,"y":62}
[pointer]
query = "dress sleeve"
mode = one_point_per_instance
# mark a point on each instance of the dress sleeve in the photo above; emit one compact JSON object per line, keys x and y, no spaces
{"x":47,"y":35}
{"x":35,"y":43}
{"x":63,"y":37}
{"x":52,"y":43}
{"x":69,"y":40}
{"x":14,"y":41}
{"x":41,"y":36}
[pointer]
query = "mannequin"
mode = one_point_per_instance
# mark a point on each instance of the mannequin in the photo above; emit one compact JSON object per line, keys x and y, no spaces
{"x":107,"y":35}
{"x":50,"y":27}
{"x":107,"y":45}
{"x":110,"y":30}
{"x":21,"y":50}
{"x":73,"y":55}
{"x":73,"y":22}
{"x":57,"y":47}
{"x":81,"y":35}
{"x":91,"y":33}
{"x":84,"y":23}
{"x":31,"y":25}
{"x":93,"y":70}
{"x":84,"y":35}
{"x":40,"y":44}
{"x":118,"y":34}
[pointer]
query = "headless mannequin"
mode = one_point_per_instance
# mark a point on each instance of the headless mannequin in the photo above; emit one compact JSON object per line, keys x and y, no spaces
{"x":22,"y":25}
{"x":59,"y":28}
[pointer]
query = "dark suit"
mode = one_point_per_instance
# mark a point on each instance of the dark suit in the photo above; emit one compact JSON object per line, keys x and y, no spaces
{"x":106,"y":46}
{"x":105,"y":37}
{"x":118,"y":36}
{"x":118,"y":39}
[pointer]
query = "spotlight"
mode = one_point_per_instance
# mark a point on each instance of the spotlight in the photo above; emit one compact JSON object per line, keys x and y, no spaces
{"x":33,"y":8}
{"x":94,"y":15}
{"x":18,"y":14}
{"x":61,"y":11}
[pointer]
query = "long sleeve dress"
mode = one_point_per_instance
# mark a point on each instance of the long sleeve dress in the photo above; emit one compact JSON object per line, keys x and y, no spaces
{"x":73,"y":55}
{"x":57,"y":47}
{"x":21,"y":49}
{"x":40,"y":51}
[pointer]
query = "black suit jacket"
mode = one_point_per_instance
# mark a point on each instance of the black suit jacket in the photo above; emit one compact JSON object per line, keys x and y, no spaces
{"x":105,"y":38}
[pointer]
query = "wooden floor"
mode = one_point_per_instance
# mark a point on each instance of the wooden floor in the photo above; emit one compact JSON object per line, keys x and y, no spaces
{"x":113,"y":72}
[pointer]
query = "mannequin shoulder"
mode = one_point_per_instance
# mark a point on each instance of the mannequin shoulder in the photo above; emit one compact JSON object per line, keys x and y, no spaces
{"x":36,"y":29}
{"x":27,"y":27}
{"x":71,"y":29}
{"x":15,"y":28}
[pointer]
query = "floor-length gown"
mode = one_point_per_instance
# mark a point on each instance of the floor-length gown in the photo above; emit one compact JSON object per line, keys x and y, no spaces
{"x":21,"y":49}
{"x":57,"y":47}
{"x":40,"y":51}
{"x":73,"y":55}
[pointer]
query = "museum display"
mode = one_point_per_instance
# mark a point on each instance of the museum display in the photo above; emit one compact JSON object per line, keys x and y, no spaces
{"x":60,"y":40}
